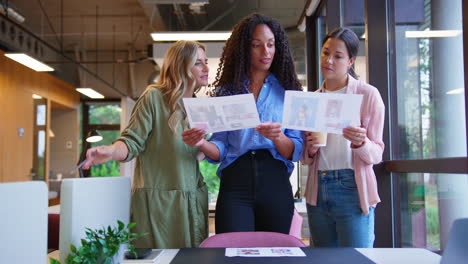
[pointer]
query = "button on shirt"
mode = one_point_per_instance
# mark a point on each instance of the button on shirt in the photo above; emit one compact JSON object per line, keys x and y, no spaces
{"x":233,"y":144}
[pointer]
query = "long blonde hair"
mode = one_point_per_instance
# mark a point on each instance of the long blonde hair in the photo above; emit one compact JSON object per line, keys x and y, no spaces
{"x":175,"y":76}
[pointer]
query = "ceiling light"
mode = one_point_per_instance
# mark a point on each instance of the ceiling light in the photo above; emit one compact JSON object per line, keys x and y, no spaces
{"x":94,"y":136}
{"x":432,"y":33}
{"x":90,"y":93}
{"x":159,"y":2}
{"x":29,"y":62}
{"x":35,"y":96}
{"x":456,"y":91}
{"x":191,"y":35}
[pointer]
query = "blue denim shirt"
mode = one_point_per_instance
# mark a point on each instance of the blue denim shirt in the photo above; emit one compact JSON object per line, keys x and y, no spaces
{"x":233,"y":144}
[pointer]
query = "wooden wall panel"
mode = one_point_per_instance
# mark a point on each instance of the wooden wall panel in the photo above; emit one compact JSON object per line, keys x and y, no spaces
{"x":17,"y":84}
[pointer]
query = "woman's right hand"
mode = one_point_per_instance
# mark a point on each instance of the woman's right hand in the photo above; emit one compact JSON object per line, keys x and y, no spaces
{"x":311,"y":140}
{"x":98,"y":155}
{"x":194,"y":137}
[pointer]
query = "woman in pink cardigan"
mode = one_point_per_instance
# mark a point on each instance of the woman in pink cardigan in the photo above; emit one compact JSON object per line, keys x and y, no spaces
{"x":341,"y":189}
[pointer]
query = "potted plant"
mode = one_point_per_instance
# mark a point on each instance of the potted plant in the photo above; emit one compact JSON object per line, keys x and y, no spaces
{"x":102,"y":246}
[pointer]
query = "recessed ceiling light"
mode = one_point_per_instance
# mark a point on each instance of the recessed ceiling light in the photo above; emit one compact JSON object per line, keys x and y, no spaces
{"x":191,"y":35}
{"x":456,"y":91}
{"x":29,"y":62}
{"x":432,"y":33}
{"x":90,"y":93}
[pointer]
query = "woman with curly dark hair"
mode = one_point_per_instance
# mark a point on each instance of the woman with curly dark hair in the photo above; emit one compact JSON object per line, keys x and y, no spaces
{"x":255,"y":193}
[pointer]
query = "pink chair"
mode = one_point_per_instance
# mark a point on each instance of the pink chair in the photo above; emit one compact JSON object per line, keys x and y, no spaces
{"x":296,"y":225}
{"x":251,"y":239}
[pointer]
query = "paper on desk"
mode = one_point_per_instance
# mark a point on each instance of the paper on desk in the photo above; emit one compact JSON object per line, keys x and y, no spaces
{"x":225,"y":113}
{"x":321,"y":112}
{"x":265,"y":252}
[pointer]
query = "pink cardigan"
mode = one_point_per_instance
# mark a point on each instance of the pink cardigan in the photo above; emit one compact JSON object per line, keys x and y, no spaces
{"x":364,"y":157}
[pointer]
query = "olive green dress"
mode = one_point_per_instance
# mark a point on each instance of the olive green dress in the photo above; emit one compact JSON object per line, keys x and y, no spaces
{"x":170,"y":198}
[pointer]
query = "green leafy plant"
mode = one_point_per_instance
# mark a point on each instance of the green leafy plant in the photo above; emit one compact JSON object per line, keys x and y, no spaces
{"x":208,"y":171}
{"x":101,"y":245}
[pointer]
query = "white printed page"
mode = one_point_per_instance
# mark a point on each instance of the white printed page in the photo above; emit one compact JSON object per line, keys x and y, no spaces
{"x":321,"y":112}
{"x":265,"y":252}
{"x":226,"y":113}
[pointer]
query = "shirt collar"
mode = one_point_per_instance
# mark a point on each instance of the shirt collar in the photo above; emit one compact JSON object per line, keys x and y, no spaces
{"x":269,"y":79}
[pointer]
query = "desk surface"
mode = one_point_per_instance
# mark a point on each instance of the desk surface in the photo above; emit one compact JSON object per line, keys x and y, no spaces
{"x":377,"y":255}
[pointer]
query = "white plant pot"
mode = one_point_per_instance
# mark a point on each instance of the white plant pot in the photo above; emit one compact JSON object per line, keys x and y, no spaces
{"x":119,"y":256}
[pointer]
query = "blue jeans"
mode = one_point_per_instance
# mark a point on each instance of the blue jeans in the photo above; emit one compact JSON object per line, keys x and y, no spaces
{"x":337,"y":220}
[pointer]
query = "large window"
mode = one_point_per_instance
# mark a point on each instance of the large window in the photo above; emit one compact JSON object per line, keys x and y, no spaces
{"x":428,"y":201}
{"x":430,"y":115}
{"x":38,"y":170}
{"x":105,"y":118}
{"x":430,"y":82}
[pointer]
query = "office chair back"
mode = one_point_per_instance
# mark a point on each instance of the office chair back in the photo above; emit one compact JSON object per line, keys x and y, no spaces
{"x":23,"y":222}
{"x":456,"y":250}
{"x":251,"y":239}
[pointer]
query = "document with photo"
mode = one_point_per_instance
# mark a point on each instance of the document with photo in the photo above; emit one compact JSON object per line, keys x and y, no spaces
{"x":321,"y":112}
{"x":265,"y":252}
{"x":225,"y":113}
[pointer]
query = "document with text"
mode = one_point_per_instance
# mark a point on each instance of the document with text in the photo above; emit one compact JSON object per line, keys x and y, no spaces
{"x":265,"y":252}
{"x":321,"y":112}
{"x":225,"y":113}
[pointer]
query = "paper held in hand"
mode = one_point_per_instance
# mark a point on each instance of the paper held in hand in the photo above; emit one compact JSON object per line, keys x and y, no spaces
{"x":226,"y":113}
{"x":321,"y":112}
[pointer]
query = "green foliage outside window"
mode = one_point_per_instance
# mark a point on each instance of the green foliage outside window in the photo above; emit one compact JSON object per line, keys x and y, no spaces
{"x":108,"y":114}
{"x":211,"y":179}
{"x":105,"y":114}
{"x":109,"y":169}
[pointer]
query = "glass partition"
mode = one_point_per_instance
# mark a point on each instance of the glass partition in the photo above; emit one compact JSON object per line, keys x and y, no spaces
{"x":429,"y":204}
{"x":430,"y":79}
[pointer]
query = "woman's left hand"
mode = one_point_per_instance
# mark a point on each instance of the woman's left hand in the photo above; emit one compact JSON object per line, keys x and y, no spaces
{"x":357,"y":135}
{"x":270,"y":130}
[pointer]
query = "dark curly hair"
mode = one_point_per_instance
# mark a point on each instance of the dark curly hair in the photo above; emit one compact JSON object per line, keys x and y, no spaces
{"x":235,"y":60}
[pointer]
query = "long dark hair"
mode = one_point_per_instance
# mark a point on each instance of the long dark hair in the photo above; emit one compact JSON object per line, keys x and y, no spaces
{"x":235,"y":60}
{"x":351,"y":41}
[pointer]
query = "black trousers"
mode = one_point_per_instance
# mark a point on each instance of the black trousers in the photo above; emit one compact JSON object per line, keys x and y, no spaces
{"x":255,"y":195}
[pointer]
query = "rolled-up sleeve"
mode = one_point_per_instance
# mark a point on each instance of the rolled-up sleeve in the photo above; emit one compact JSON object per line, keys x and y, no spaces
{"x":298,"y":140}
{"x":219,"y":139}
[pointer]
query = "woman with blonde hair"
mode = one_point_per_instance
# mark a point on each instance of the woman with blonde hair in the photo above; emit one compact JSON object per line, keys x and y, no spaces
{"x":169,"y":196}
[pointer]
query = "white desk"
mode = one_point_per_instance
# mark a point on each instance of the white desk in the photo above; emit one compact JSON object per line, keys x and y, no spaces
{"x":165,"y":258}
{"x":378,"y":255}
{"x":400,"y":255}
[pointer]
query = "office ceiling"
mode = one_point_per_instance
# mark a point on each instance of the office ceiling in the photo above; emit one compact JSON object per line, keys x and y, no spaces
{"x":110,"y":38}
